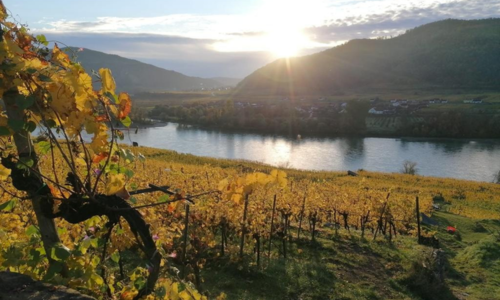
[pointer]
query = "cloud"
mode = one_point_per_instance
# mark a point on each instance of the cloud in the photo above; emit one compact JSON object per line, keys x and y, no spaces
{"x":232,"y":45}
{"x":193,"y":57}
{"x":187,"y":25}
{"x":393,"y":19}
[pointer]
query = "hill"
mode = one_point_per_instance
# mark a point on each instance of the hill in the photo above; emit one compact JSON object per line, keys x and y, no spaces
{"x":134,"y":76}
{"x":449,"y":54}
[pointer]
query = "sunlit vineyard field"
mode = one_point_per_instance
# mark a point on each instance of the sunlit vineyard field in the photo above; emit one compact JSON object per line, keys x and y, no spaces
{"x":299,"y":213}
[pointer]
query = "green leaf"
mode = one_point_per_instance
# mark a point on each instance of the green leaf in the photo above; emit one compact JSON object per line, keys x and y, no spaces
{"x":16,"y":125}
{"x":42,"y":39}
{"x":8,"y":206}
{"x":54,"y":268}
{"x":62,"y":231}
{"x":31,"y":231}
{"x":95,"y":243}
{"x":24,"y":102}
{"x":60,"y":253}
{"x":97,"y":279}
{"x":161,"y":292}
{"x":5,"y":66}
{"x":85,"y":245}
{"x":164,"y":198}
{"x":120,"y":134}
{"x":115,"y":256}
{"x":139,"y":283}
{"x":44,"y":147}
{"x":133,"y":200}
{"x":51,"y":123}
{"x":126,"y":121}
{"x":180,"y":287}
{"x":25,"y":163}
{"x":129,"y":173}
{"x":95,"y":261}
{"x":30,"y":126}
{"x":127,"y":154}
{"x":4,"y":131}
{"x":44,"y":78}
{"x":111,"y":97}
{"x":35,"y":257}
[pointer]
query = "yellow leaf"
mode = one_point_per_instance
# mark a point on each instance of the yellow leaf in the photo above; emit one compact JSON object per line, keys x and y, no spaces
{"x":3,"y":12}
{"x":108,"y":83}
{"x":60,"y":57}
{"x":80,"y":162}
{"x":280,"y":177}
{"x":115,"y":183}
{"x":33,"y":63}
{"x":61,"y":96}
{"x":223,"y":185}
{"x":3,"y":119}
{"x":4,"y":172}
{"x":237,"y":198}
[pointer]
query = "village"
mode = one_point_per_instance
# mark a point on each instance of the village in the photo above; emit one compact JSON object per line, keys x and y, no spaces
{"x":320,"y":107}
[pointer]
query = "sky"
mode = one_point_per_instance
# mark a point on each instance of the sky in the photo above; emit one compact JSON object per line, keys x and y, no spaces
{"x":230,"y":38}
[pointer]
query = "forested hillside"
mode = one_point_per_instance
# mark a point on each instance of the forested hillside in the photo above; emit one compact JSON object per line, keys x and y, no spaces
{"x":134,"y":76}
{"x":449,"y":54}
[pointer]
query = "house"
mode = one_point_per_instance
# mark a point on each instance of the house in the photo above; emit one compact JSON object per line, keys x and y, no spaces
{"x":474,"y":101}
{"x":374,"y":111}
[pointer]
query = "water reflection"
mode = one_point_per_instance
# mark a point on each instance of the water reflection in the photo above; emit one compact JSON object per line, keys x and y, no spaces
{"x":353,"y":148}
{"x":474,"y":160}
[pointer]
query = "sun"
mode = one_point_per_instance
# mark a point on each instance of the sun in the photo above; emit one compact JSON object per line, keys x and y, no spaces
{"x":283,"y":21}
{"x":285,"y":43}
{"x":278,"y":27}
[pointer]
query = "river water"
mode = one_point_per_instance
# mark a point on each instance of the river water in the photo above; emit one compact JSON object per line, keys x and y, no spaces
{"x":466,"y":159}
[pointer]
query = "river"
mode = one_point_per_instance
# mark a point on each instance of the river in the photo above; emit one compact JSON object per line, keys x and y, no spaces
{"x":475,"y":160}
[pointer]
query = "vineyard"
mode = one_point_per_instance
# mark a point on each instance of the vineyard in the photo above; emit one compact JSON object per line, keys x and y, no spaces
{"x":241,"y":212}
{"x":389,"y":124}
{"x":119,"y":222}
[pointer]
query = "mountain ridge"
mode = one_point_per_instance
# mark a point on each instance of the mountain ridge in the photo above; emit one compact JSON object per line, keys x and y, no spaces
{"x":132,"y":75}
{"x":447,"y":54}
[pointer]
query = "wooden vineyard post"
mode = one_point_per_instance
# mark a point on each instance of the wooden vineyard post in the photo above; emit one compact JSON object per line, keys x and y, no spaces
{"x":223,"y":236}
{"x":271,"y":231}
{"x":185,"y":240}
{"x":285,"y":233}
{"x":417,"y":209}
{"x":379,"y":222}
{"x":257,"y":240}
{"x":301,"y":217}
{"x":244,"y":226}
{"x":313,"y":220}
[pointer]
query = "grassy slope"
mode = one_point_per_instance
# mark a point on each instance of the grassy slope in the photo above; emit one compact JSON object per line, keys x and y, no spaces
{"x":345,"y":266}
{"x":348,"y":267}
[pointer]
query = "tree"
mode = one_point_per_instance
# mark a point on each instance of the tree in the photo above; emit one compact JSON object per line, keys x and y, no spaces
{"x":357,"y":111}
{"x":409,"y":167}
{"x":44,"y":89}
{"x":496,"y":177}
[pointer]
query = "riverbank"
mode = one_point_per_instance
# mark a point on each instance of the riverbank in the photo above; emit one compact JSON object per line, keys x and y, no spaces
{"x":457,"y":158}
